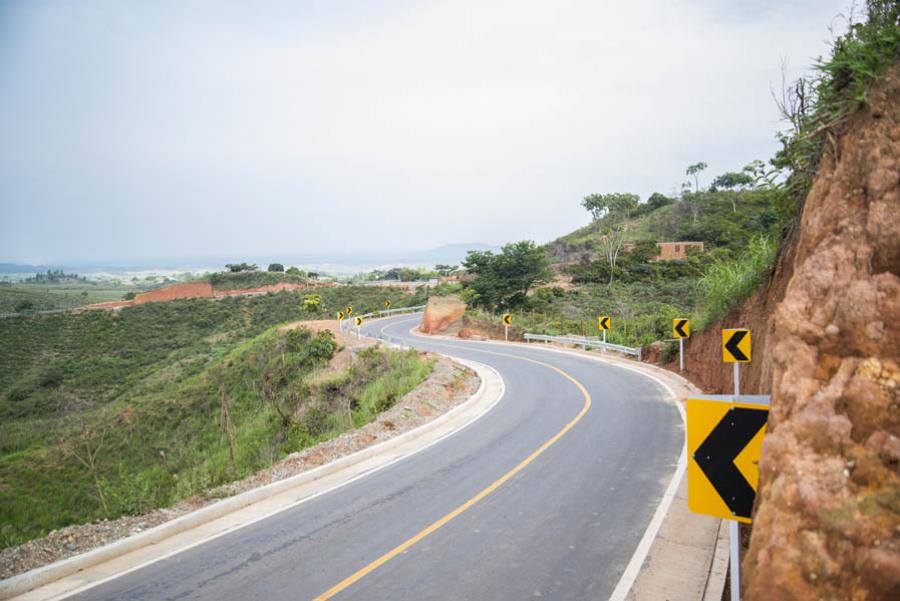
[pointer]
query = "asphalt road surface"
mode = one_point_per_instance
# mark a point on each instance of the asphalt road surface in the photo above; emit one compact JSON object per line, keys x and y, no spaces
{"x":544,"y":497}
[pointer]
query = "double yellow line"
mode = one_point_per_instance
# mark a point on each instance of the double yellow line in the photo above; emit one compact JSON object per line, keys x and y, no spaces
{"x":362,"y":572}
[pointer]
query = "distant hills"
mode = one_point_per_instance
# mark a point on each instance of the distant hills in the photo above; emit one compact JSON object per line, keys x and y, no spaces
{"x":337,"y":263}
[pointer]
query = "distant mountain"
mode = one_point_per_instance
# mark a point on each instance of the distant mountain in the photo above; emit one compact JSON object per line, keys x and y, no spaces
{"x":20,"y":268}
{"x":336,"y":263}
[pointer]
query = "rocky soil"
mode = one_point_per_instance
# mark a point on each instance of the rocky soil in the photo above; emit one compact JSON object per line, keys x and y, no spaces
{"x":449,"y":385}
{"x":827,"y":521}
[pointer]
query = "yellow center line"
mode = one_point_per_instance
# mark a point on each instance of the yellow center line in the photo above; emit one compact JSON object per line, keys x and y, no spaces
{"x":359,"y":574}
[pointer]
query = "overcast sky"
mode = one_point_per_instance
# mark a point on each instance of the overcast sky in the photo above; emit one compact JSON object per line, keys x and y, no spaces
{"x":155,"y":129}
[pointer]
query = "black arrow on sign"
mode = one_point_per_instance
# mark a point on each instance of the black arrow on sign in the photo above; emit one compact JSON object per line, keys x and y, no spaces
{"x":732,"y":345}
{"x":681,"y":323}
{"x":604,"y":323}
{"x":717,"y":454}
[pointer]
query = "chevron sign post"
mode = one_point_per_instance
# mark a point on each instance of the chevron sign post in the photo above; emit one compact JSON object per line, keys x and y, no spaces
{"x":604,"y":325}
{"x":734,"y":440}
{"x":681,"y":329}
{"x":724,"y":443}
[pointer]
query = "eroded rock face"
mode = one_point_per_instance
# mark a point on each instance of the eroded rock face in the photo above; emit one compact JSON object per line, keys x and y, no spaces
{"x":443,"y":315}
{"x":827,"y":524}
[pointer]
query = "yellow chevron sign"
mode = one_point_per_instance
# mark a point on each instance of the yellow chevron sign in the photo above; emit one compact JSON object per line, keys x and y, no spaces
{"x":507,"y":319}
{"x":681,"y":328}
{"x":359,"y":321}
{"x":724,"y":443}
{"x":736,"y":347}
{"x":340,"y":315}
{"x":604,"y":322}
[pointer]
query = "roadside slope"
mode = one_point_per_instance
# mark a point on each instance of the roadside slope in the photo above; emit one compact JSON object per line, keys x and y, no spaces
{"x":828,"y":510}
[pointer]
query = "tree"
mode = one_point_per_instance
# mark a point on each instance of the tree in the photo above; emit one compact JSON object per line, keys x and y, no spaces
{"x":612,"y":243}
{"x":601,"y":205}
{"x":731,"y":180}
{"x":614,"y":209}
{"x":293,"y":271}
{"x":694,"y":171}
{"x":311,"y":302}
{"x":238,"y":267}
{"x":276,"y":267}
{"x":445,"y":270}
{"x":504,"y":280}
{"x":658,"y":200}
{"x":645,"y":251}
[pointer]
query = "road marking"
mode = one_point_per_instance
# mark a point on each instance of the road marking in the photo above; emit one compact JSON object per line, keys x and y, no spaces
{"x":361,"y":573}
{"x":629,"y":575}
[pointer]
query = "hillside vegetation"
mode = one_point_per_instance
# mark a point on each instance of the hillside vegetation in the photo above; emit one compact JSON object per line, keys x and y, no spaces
{"x":739,"y":227}
{"x":105,"y":413}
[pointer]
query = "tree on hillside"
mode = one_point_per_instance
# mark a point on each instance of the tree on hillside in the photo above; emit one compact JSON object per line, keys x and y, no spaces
{"x":238,"y":267}
{"x":601,"y":205}
{"x":613,"y":241}
{"x":658,"y":200}
{"x":731,"y":180}
{"x":276,"y":267}
{"x":503,"y":280}
{"x":445,"y":270}
{"x":694,"y":171}
{"x":293,"y":271}
{"x":645,"y":251}
{"x":614,"y":209}
{"x":690,"y":200}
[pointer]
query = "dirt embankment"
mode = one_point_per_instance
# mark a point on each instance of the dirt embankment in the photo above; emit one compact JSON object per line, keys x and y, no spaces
{"x":827,"y":521}
{"x":194,"y":290}
{"x":826,"y":346}
{"x":443,"y":315}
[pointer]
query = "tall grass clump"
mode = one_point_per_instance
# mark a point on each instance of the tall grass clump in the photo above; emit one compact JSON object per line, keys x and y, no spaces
{"x":727,"y":283}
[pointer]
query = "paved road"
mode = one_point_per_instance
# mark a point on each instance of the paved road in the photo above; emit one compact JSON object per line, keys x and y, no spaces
{"x":563,"y":527}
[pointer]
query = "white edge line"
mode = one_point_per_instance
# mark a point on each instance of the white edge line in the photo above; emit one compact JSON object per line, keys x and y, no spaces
{"x":298,"y":502}
{"x":633,"y":568}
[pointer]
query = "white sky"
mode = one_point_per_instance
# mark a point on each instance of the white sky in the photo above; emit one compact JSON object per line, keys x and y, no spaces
{"x":137,"y":130}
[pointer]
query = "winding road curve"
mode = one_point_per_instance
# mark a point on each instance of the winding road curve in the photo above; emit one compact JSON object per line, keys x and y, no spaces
{"x":545,"y":496}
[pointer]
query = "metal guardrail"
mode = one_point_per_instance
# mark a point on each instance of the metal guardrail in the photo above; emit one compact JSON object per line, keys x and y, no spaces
{"x":586,"y":342}
{"x":392,"y":340}
{"x":382,"y":313}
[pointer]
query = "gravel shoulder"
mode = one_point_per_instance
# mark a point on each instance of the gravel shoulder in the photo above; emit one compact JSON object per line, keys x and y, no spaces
{"x":449,"y":385}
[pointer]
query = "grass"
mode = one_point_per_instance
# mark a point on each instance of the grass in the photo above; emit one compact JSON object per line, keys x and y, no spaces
{"x":104,"y":414}
{"x":727,"y":284}
{"x":253,"y":279}
{"x":48,"y":297}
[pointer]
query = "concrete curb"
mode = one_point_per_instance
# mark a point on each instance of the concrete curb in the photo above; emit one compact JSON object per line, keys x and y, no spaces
{"x":488,"y":394}
{"x":718,"y":569}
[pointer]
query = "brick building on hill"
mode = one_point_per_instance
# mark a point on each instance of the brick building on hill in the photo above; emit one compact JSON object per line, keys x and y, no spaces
{"x":670,"y":251}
